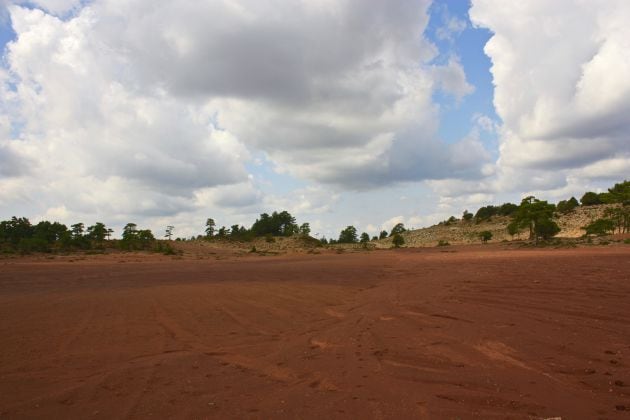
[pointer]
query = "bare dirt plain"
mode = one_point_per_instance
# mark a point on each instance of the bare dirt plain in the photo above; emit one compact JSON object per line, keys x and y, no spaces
{"x":464,"y":332}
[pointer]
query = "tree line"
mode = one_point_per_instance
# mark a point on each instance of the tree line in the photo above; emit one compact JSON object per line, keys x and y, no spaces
{"x":267,"y":225}
{"x":532,"y":215}
{"x":18,"y":234}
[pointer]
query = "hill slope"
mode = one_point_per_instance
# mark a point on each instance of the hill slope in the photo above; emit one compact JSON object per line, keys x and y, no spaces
{"x":463,"y":232}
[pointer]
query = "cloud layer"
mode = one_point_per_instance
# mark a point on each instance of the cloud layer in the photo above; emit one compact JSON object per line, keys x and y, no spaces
{"x":159,"y":110}
{"x":141,"y":108}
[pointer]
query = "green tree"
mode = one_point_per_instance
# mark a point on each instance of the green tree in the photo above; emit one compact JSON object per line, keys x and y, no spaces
{"x":398,"y":228}
{"x":77,"y":230}
{"x":590,"y":199}
{"x":365,"y":238}
{"x":485,"y":236}
{"x":348,"y":235}
{"x":278,"y":224}
{"x":129,"y":231}
{"x":129,"y":236}
{"x":620,"y":217}
{"x":533,"y":212}
{"x":485,"y":213}
{"x":507,"y":209}
{"x":305,"y":229}
{"x":621,"y":192}
{"x":210,"y":228}
{"x":49,"y":232}
{"x":467,"y":216}
{"x":14,"y":230}
{"x":136,"y":239}
{"x":567,"y":206}
{"x":600,"y":227}
{"x":546,"y":229}
{"x":78,"y":237}
{"x":287,"y":223}
{"x":398,"y":240}
{"x":145,"y":237}
{"x":513,"y":228}
{"x":97,"y":232}
{"x":169,"y":232}
{"x":129,"y":239}
{"x":383,"y":234}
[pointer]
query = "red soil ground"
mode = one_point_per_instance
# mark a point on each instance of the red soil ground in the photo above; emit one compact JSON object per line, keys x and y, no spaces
{"x":475,"y":332}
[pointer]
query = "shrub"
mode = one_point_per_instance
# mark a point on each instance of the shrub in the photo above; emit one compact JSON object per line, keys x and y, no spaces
{"x":442,"y":242}
{"x":600,"y":227}
{"x":507,"y":209}
{"x":28,"y":245}
{"x":398,"y":240}
{"x":164,"y":248}
{"x":485,"y":236}
{"x":567,"y":206}
{"x":450,"y":221}
{"x":546,"y":228}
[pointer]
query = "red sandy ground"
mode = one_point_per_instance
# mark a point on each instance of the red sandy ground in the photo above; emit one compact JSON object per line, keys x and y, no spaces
{"x":475,"y":332}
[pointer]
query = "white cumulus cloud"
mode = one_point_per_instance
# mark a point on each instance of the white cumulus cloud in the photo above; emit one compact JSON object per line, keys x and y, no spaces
{"x":152,"y":108}
{"x":562,"y":90}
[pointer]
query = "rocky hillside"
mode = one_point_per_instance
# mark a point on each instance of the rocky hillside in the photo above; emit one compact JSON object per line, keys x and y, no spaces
{"x":462,"y":232}
{"x":456,"y":233}
{"x":572,"y":223}
{"x":275,"y":245}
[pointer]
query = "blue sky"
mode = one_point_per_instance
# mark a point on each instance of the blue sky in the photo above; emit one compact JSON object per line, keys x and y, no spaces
{"x":166,"y":114}
{"x":468,"y":47}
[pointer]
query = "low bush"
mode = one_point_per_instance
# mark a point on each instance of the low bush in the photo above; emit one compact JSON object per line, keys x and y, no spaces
{"x":485,"y":236}
{"x":398,"y":240}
